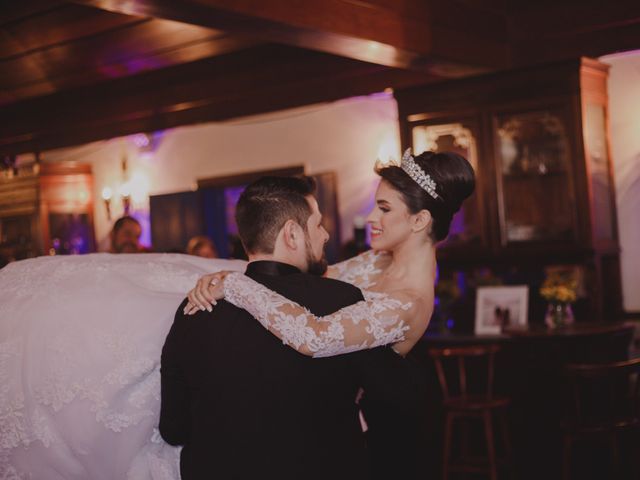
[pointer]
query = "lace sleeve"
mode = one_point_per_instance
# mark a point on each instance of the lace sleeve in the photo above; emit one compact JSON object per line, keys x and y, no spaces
{"x":380,"y":319}
{"x":361,"y":270}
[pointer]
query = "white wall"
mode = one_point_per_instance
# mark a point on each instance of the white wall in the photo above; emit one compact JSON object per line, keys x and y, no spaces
{"x":343,"y":136}
{"x":624,"y":112}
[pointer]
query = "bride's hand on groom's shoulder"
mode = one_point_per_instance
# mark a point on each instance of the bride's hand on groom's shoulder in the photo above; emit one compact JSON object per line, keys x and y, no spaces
{"x":205,"y":294}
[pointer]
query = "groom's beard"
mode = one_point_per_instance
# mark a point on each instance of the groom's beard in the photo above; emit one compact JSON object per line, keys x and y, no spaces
{"x":315,"y":266}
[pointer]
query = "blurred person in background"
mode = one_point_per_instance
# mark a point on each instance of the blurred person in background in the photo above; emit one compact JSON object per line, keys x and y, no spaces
{"x":125,"y":236}
{"x":202,"y":246}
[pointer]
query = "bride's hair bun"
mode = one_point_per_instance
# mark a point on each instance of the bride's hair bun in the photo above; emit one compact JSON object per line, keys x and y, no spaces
{"x":455,"y":182}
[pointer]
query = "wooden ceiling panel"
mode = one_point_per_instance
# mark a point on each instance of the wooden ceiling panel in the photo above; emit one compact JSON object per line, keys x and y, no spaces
{"x":27,"y":8}
{"x":80,"y":70}
{"x":121,"y":46}
{"x":353,"y":29}
{"x":591,"y":44}
{"x":83,"y":77}
{"x":400,"y":34}
{"x":354,"y":19}
{"x":146,"y":44}
{"x":25,"y":91}
{"x":62,"y":24}
{"x":547,"y":30}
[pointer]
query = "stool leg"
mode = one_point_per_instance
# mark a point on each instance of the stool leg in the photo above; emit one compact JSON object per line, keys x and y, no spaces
{"x":506,"y":438}
{"x":491,"y":450}
{"x":615,"y":453}
{"x":464,"y":446}
{"x":447,"y":446}
{"x":566,"y":463}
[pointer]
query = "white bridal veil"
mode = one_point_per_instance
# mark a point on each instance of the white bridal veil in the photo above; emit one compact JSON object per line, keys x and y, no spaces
{"x":80,"y":343}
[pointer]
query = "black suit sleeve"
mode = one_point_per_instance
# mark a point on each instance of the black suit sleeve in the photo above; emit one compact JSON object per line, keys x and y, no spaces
{"x":174,"y":406}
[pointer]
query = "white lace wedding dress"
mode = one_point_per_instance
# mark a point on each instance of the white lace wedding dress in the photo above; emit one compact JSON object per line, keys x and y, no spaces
{"x":80,"y":343}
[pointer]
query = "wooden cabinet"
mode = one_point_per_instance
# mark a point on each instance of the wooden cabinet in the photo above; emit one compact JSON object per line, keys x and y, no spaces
{"x":47,"y":209}
{"x":538,"y":140}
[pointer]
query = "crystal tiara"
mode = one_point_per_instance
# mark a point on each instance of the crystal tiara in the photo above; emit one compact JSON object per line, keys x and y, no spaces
{"x":409,"y":165}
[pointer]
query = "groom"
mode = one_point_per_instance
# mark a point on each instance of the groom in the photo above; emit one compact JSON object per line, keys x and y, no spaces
{"x":245,"y":406}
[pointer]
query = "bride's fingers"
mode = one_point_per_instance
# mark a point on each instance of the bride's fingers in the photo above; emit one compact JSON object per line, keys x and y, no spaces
{"x":203,"y":291}
{"x":195,"y":301}
{"x":192,"y":298}
{"x":204,"y":295}
{"x":201,"y":300}
{"x":205,"y":281}
{"x":191,"y":308}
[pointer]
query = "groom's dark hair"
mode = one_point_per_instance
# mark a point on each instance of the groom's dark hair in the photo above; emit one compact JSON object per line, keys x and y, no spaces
{"x":266,"y":205}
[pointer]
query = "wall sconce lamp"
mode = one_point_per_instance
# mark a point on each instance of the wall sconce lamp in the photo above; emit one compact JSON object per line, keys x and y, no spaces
{"x":107,"y":194}
{"x":130,"y":191}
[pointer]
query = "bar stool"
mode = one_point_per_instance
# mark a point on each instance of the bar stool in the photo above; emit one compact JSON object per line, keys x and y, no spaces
{"x":460,"y":405}
{"x":605,"y":402}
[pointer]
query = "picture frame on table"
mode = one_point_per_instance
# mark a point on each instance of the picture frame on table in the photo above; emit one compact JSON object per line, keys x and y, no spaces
{"x":500,"y":307}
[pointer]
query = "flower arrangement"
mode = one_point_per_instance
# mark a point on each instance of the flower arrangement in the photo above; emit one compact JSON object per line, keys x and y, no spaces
{"x":559,"y":289}
{"x":447,"y":288}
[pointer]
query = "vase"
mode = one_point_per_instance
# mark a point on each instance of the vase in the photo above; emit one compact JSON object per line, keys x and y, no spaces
{"x":559,"y":314}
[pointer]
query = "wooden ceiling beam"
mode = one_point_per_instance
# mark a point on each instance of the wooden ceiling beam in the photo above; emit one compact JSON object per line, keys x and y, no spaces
{"x":404,"y":35}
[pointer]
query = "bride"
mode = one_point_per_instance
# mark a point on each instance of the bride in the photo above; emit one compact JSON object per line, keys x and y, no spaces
{"x":415,"y":203}
{"x":80,"y":337}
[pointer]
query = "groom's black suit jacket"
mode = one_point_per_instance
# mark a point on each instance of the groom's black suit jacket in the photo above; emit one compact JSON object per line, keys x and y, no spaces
{"x":246,"y":406}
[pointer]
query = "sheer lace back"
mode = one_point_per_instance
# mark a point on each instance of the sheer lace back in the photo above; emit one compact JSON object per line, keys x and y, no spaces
{"x":363,"y":270}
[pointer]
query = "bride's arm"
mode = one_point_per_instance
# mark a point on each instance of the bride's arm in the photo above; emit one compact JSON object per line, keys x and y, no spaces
{"x":361,"y":271}
{"x":380,"y":319}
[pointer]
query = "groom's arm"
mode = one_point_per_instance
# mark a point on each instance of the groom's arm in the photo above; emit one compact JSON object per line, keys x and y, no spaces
{"x":174,"y":407}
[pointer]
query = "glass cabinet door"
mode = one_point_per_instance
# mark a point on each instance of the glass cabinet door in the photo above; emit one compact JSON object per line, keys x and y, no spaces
{"x":466,"y":225}
{"x":535,"y":186}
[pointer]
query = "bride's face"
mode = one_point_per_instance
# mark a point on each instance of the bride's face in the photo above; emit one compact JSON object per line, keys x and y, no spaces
{"x":389,"y":220}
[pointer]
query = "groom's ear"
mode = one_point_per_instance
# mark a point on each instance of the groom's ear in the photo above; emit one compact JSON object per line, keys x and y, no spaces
{"x":290,"y":234}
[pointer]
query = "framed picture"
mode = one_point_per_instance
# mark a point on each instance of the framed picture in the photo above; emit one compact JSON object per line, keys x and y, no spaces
{"x":499,"y":307}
